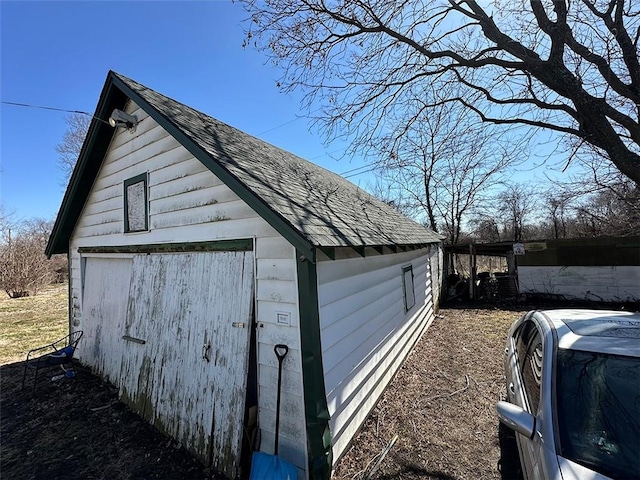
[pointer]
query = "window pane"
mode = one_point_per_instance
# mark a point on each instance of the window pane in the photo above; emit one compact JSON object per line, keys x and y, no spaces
{"x":532,"y":374}
{"x":598,"y":397}
{"x":136,"y":207}
{"x":407,"y":283}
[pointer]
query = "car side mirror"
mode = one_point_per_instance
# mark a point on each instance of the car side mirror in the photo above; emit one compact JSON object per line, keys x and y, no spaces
{"x":516,"y":418}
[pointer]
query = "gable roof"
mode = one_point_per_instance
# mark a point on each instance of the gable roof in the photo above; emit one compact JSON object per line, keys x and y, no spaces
{"x":307,"y":204}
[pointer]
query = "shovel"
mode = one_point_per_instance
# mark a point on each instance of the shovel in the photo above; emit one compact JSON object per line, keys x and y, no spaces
{"x":271,"y":467}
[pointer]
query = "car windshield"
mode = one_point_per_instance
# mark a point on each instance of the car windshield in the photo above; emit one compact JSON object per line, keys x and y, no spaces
{"x":598,"y":400}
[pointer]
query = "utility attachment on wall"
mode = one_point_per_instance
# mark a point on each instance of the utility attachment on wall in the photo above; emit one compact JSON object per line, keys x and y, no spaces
{"x":122,"y":119}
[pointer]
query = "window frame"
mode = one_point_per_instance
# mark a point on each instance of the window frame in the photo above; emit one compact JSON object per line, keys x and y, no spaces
{"x":529,"y":340}
{"x":406,"y":269}
{"x":144,"y":178}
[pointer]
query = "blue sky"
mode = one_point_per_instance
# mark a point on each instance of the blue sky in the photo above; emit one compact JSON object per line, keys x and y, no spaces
{"x":57,"y":54}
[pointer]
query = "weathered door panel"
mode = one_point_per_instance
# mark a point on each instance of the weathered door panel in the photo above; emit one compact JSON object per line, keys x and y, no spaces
{"x":189,"y":377}
{"x":106,"y":289}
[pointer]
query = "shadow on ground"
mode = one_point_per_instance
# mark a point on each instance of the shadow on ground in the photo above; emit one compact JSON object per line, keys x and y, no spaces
{"x":509,"y":463}
{"x":76,"y":428}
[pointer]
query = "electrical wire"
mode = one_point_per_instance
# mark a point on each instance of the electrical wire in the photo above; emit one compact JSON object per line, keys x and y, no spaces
{"x":349,"y":173}
{"x":42,"y":107}
{"x":356,"y":171}
{"x":360,"y":173}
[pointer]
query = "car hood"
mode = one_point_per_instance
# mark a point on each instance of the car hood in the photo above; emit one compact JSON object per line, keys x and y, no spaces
{"x":574,"y":471}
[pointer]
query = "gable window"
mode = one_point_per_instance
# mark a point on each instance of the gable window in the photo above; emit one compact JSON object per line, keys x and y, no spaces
{"x":407,"y":287}
{"x":136,"y":206}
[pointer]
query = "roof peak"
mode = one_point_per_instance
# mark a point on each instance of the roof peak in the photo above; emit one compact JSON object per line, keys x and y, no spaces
{"x":306,"y":203}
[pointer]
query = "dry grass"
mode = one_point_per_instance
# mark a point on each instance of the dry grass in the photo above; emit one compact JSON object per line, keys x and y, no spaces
{"x":441,"y":406}
{"x":29,"y":322}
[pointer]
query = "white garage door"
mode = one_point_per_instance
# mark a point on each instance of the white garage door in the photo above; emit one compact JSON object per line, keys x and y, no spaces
{"x":186,"y":347}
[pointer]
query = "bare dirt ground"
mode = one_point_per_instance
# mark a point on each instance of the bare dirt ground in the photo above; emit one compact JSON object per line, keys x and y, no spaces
{"x":440,"y":405}
{"x":77,"y":429}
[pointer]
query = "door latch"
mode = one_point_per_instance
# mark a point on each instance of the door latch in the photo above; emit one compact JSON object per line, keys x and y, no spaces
{"x":206,"y":352}
{"x":238,"y":324}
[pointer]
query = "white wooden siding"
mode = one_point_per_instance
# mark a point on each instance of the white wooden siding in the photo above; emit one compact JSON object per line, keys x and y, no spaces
{"x":277,"y":293}
{"x":365,"y":332}
{"x":188,"y":203}
{"x":610,"y":284}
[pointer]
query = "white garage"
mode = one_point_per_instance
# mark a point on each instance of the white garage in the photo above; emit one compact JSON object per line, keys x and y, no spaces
{"x":194,"y":248}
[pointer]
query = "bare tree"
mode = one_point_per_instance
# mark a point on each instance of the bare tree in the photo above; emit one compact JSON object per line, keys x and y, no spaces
{"x":443,"y":166}
{"x":569,"y":67}
{"x":485,"y":229}
{"x":613,"y":210}
{"x":556,"y":204}
{"x":24,"y":268}
{"x":69,"y":148}
{"x":598,"y":200}
{"x":516,"y":203}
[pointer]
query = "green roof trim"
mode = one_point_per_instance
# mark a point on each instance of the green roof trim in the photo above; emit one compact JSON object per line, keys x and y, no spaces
{"x":315,"y":397}
{"x":93,"y":150}
{"x":240,"y":245}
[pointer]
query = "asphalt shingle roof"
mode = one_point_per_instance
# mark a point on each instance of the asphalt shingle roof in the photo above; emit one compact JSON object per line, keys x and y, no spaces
{"x":326,"y":209}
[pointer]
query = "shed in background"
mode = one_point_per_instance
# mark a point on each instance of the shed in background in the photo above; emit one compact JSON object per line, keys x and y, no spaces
{"x":594,"y":269}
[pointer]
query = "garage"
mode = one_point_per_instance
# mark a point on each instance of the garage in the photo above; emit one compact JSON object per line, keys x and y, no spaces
{"x":195,"y":249}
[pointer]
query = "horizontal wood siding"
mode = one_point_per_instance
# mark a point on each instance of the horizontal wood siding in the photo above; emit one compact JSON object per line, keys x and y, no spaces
{"x":365,"y":332}
{"x":188,"y":203}
{"x":277,"y":294}
{"x":609,"y":284}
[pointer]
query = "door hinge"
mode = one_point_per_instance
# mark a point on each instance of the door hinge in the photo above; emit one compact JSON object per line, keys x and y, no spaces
{"x":238,"y":324}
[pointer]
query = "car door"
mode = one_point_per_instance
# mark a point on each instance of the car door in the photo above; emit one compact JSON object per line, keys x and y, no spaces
{"x":524,"y":387}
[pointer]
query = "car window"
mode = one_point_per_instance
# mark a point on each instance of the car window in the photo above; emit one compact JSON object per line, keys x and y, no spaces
{"x":523,"y":338}
{"x":529,"y":354}
{"x":532,"y":373}
{"x":598,"y":397}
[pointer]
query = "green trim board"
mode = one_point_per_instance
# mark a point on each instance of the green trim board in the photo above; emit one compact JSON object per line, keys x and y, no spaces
{"x":315,"y":397}
{"x":89,"y":161}
{"x":128,"y":184}
{"x":243,"y":245}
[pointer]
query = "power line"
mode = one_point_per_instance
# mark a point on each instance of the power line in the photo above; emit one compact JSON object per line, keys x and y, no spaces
{"x":355,"y":171}
{"x":290,"y":121}
{"x":42,"y":107}
{"x":360,"y":173}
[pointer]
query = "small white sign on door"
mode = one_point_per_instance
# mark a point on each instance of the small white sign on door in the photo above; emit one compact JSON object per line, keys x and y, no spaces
{"x":284,"y":318}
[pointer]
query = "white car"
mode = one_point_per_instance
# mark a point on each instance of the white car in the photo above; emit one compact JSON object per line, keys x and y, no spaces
{"x":573,"y":385}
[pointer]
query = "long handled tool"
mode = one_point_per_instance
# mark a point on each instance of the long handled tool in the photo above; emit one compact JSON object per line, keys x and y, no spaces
{"x":271,"y":467}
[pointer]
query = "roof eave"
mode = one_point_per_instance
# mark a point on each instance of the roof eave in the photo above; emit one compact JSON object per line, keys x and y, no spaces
{"x":94,"y":147}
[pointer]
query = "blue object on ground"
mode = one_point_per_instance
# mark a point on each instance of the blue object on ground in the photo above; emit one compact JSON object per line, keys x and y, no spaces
{"x":271,"y":467}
